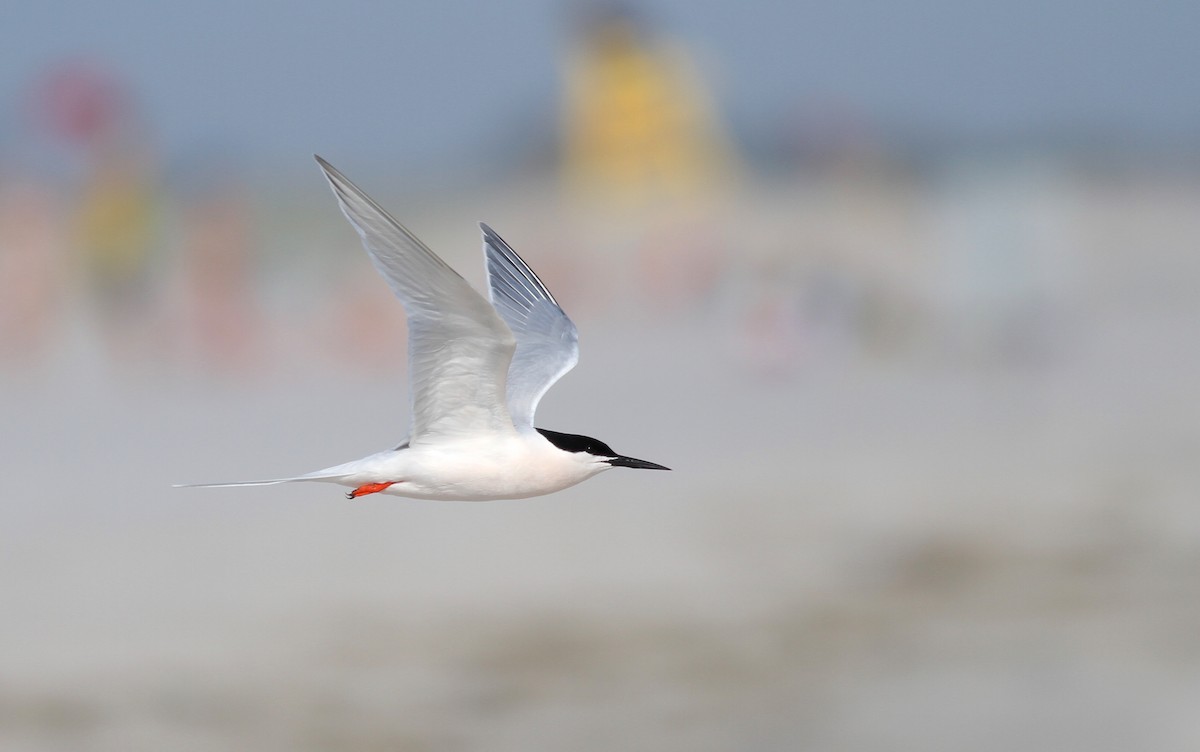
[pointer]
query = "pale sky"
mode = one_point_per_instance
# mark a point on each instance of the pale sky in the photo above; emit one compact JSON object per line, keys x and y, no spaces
{"x":445,"y":82}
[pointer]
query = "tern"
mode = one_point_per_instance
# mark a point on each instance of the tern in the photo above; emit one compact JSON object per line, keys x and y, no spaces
{"x":477,"y":370}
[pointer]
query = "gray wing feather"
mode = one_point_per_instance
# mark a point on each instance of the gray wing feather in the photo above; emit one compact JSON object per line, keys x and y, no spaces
{"x":547,"y":342}
{"x":458,"y":348}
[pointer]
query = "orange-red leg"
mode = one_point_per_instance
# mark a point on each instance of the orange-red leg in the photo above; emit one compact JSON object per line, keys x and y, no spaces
{"x":368,"y":488}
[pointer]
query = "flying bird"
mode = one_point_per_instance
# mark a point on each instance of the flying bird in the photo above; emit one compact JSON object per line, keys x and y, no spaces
{"x":478,"y":369}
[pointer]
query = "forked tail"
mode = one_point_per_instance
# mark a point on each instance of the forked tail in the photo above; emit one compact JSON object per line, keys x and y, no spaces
{"x":319,"y":475}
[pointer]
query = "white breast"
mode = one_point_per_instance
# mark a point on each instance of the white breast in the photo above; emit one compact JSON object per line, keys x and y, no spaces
{"x":506,"y":466}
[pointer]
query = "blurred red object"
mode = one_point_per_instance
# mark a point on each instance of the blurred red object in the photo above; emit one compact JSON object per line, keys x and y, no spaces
{"x":79,"y":102}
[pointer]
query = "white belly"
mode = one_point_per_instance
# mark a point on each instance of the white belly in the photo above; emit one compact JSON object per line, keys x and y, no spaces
{"x":515,"y":467}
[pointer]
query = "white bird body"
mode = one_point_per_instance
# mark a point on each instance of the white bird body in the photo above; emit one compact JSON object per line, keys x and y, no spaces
{"x":477,"y":372}
{"x":472,"y":468}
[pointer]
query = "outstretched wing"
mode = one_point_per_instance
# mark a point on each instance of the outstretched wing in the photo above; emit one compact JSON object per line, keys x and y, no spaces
{"x":458,"y":348}
{"x":547,"y":343}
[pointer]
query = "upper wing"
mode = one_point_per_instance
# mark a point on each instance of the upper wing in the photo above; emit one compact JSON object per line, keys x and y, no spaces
{"x":458,"y":348}
{"x":547,"y":343}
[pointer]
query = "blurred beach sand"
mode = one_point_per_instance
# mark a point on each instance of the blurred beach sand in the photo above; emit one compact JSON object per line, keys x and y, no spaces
{"x":870,"y":551}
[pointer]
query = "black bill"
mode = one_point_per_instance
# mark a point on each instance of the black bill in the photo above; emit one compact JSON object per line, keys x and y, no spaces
{"x":639,"y":464}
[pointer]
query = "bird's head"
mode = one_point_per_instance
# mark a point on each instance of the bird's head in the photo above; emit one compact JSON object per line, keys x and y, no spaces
{"x":595,"y":452}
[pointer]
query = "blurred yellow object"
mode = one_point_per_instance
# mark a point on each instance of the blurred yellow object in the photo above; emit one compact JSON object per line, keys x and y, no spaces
{"x":638,"y":123}
{"x":115,"y":223}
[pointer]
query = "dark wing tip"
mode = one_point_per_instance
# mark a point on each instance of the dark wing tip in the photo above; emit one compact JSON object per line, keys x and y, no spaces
{"x":491,"y":234}
{"x":329,"y":170}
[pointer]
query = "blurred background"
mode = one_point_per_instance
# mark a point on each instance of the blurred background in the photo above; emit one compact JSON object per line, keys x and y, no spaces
{"x":907,"y":296}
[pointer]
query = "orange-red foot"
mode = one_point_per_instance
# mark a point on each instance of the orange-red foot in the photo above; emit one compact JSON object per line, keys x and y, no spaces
{"x":369,"y":488}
